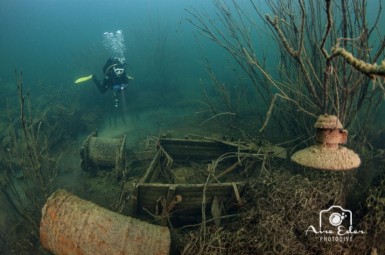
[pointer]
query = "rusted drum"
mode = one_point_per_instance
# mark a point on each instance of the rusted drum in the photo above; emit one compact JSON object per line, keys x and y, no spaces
{"x":99,"y":152}
{"x":327,"y":153}
{"x":71,"y":225}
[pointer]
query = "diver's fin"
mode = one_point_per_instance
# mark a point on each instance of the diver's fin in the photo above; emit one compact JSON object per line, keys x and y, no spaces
{"x":83,"y":79}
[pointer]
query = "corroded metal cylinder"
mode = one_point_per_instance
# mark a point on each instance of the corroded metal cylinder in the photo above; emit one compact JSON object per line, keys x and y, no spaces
{"x":98,"y":152}
{"x":330,"y":132}
{"x":327,"y":153}
{"x":70,"y":225}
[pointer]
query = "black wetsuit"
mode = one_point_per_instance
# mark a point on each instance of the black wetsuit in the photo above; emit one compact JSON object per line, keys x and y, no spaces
{"x":110,"y":78}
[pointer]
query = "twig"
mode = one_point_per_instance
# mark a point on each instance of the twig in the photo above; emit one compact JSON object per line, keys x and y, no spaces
{"x":230,"y":168}
{"x":217,"y":115}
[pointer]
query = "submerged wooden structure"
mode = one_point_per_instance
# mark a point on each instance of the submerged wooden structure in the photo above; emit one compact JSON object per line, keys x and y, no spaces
{"x":189,"y":177}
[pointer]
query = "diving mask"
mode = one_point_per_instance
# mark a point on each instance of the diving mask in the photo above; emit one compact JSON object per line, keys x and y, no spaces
{"x":118,"y":71}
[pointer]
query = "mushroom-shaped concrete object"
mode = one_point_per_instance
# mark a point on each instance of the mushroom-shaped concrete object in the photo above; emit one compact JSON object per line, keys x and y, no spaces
{"x":327,"y":153}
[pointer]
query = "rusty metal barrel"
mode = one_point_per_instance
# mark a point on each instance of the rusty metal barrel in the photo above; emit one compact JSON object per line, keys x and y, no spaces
{"x":99,"y":152}
{"x":71,"y":225}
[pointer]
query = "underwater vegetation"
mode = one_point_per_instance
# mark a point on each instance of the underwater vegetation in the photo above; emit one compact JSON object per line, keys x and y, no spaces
{"x":322,"y":59}
{"x":310,"y":77}
{"x":325,"y":68}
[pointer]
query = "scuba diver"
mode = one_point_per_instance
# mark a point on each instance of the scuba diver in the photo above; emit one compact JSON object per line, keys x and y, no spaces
{"x":115,"y":77}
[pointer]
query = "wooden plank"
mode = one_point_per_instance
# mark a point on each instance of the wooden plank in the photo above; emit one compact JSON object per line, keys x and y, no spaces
{"x":133,"y":202}
{"x":170,"y":194}
{"x":151,"y":169}
{"x":210,"y":149}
